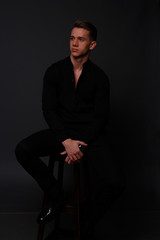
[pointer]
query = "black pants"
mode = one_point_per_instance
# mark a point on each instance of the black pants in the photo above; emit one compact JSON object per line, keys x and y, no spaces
{"x":104,"y":183}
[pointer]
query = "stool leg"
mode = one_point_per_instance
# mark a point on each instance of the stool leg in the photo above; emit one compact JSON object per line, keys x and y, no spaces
{"x":60,"y":182}
{"x":40,"y":232}
{"x":77,"y":199}
{"x":41,"y":225}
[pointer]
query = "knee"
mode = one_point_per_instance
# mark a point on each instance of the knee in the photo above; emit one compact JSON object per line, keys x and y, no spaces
{"x":20,"y":150}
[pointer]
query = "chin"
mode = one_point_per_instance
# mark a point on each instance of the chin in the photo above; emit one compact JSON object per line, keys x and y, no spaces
{"x":75,"y":55}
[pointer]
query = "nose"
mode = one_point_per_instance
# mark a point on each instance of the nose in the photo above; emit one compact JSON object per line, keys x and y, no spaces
{"x":75,"y":42}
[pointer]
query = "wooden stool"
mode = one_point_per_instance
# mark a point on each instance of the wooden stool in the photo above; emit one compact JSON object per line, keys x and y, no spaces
{"x":68,"y":209}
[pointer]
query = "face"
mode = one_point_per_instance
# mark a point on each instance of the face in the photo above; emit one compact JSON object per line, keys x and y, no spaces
{"x":80,"y":42}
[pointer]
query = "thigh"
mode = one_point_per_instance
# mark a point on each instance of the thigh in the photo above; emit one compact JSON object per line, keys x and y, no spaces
{"x":42,"y":143}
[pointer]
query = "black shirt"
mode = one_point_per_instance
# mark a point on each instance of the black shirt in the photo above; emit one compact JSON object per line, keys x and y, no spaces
{"x":81,"y":112}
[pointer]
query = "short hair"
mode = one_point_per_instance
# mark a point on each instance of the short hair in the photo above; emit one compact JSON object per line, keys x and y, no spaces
{"x":88,"y":26}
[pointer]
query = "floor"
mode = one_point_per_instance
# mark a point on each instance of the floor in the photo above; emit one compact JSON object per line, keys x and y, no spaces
{"x":128,"y":225}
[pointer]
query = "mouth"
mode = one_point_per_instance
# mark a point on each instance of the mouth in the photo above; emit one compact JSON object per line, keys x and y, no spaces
{"x":74,"y":50}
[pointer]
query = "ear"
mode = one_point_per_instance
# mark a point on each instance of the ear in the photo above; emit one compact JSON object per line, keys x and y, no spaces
{"x":92,"y":45}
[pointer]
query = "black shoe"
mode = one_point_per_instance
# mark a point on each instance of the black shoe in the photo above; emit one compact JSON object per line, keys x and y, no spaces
{"x":48,"y":213}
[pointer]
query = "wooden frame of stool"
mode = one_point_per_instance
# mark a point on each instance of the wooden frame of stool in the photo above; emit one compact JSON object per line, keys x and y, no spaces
{"x":68,"y":209}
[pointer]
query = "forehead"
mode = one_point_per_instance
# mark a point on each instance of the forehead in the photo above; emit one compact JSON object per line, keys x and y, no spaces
{"x":80,"y":32}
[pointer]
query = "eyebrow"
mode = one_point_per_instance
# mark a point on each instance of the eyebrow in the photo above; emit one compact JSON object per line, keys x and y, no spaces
{"x":77,"y":37}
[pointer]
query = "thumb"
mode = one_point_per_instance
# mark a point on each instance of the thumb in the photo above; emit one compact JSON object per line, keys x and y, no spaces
{"x":83,"y":143}
{"x":63,"y":153}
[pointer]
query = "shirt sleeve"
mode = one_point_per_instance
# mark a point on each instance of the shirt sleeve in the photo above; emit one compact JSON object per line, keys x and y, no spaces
{"x":101,"y":110}
{"x":49,"y":103}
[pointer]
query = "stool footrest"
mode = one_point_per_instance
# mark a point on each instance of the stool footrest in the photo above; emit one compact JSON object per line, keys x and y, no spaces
{"x":69,"y":209}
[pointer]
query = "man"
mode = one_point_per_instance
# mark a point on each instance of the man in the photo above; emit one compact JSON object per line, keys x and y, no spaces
{"x":76,"y":107}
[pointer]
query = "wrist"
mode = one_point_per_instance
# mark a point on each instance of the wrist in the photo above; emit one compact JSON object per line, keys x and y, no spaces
{"x":66,"y":141}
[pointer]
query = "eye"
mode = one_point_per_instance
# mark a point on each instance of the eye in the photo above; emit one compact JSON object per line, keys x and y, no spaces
{"x":71,"y":38}
{"x":81,"y":39}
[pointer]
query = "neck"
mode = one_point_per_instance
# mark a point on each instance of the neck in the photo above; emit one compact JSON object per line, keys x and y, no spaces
{"x":78,"y":62}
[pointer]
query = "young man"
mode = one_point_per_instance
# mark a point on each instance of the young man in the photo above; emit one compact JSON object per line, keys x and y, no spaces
{"x":76,"y":108}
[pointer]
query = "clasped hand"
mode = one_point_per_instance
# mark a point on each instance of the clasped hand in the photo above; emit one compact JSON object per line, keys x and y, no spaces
{"x":72,"y":150}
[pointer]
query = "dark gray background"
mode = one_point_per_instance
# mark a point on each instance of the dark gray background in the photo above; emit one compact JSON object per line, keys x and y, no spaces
{"x":34,"y":34}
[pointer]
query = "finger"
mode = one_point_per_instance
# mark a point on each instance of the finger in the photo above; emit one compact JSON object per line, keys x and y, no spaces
{"x":67,"y":159}
{"x":77,"y":157}
{"x":80,"y":154}
{"x":69,"y":162}
{"x":71,"y":157}
{"x":77,"y":161}
{"x":74,"y":157}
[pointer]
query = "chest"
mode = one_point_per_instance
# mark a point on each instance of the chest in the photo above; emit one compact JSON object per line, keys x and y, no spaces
{"x":77,"y":74}
{"x":79,"y":85}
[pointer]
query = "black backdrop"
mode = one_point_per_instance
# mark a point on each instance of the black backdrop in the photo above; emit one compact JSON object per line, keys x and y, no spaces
{"x":35,"y":34}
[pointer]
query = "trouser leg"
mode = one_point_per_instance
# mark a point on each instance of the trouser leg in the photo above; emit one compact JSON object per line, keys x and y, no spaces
{"x":28,"y":153}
